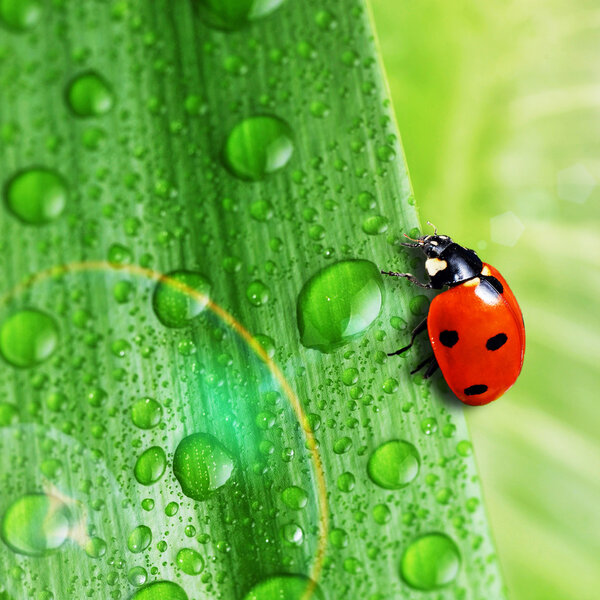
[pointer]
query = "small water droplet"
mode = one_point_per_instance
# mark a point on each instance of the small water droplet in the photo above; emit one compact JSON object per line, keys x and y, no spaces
{"x":146,"y":413}
{"x":190,"y":561}
{"x":139,"y":539}
{"x":202,"y":465}
{"x":150,"y":465}
{"x":36,"y":524}
{"x":89,"y":95}
{"x":430,"y":561}
{"x":36,"y":196}
{"x":20,"y":15}
{"x":257,"y":147}
{"x":174,"y":306}
{"x":394,"y":464}
{"x":28,"y":337}
{"x":375,"y":225}
{"x":290,"y":587}
{"x":257,"y":293}
{"x":339,"y":303}
{"x":294,"y":497}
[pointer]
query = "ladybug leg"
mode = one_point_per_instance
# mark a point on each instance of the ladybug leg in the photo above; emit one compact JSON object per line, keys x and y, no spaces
{"x":416,"y":331}
{"x":408,"y":276}
{"x":428,"y":361}
{"x":431,"y":369}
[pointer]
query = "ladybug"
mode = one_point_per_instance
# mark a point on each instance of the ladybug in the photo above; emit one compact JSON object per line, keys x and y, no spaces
{"x":475,"y":326}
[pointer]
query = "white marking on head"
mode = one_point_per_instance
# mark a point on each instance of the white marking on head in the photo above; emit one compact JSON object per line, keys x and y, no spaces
{"x":433,"y":243}
{"x":473,"y":282}
{"x":434,"y":266}
{"x":486,"y":271}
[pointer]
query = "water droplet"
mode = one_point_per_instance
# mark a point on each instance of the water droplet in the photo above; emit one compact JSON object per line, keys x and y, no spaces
{"x":350,"y":376}
{"x":202,"y":465}
{"x":20,"y":15}
{"x":139,"y":539}
{"x":28,"y":337}
{"x":342,"y":445}
{"x":290,"y":587}
{"x":258,"y":146}
{"x":137,"y":576}
{"x":95,"y":547}
{"x":234,"y":14}
{"x":429,"y":426}
{"x":190,"y":561}
{"x":381,"y":514}
{"x":375,"y":225}
{"x":390,"y":385}
{"x":8,"y":414}
{"x":257,"y":293}
{"x":89,"y":95}
{"x":36,"y":196}
{"x":338,"y":538}
{"x":339,"y":303}
{"x":146,"y":413}
{"x":292,"y":534}
{"x":150,"y":465}
{"x":430,"y":561}
{"x":394,"y":465}
{"x":36,"y":524}
{"x":160,"y":590}
{"x":175,"y":307}
{"x":294,"y":497}
{"x":346,"y":482}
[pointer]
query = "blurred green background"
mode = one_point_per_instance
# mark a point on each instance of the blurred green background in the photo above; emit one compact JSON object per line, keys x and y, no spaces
{"x":498,"y":104}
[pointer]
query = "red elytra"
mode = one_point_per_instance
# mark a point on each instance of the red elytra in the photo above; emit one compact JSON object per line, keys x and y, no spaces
{"x":490,"y":347}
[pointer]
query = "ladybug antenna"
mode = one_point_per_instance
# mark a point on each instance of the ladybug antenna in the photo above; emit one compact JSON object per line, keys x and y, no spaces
{"x":434,"y":227}
{"x":418,"y":242}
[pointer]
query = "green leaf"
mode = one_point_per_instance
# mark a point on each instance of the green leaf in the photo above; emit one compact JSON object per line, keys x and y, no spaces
{"x":248,"y":150}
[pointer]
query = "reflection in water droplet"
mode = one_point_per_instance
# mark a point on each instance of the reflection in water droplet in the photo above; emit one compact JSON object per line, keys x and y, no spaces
{"x":146,"y":413}
{"x":290,"y":587}
{"x":36,"y":196}
{"x":339,"y":303}
{"x":430,"y":561}
{"x":28,"y":337}
{"x":394,"y":465}
{"x":36,"y":524}
{"x":258,"y":146}
{"x":89,"y":95}
{"x":173,"y":306}
{"x":202,"y":465}
{"x":160,"y":590}
{"x":294,"y":497}
{"x":234,"y":14}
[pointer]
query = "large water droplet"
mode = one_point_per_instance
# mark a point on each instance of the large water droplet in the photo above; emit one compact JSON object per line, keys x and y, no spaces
{"x":174,"y":306}
{"x":201,"y":465}
{"x":20,"y":15}
{"x":89,"y":95}
{"x":160,"y":590}
{"x":36,"y":196}
{"x":339,"y":303}
{"x":394,"y":464}
{"x":150,"y":465}
{"x":290,"y":587}
{"x":431,"y":561}
{"x":258,"y":146}
{"x":233,"y":14}
{"x":28,"y":337}
{"x":36,"y":524}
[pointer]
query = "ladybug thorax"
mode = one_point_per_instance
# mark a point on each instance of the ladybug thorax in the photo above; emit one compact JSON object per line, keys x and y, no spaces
{"x":447,"y":263}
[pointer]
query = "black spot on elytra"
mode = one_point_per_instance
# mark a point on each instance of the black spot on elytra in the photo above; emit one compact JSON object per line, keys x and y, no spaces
{"x":495,"y":283}
{"x":475,"y":390}
{"x":449,"y":338}
{"x":496,"y":341}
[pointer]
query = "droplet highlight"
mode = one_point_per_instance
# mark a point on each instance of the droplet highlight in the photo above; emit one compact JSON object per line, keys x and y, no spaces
{"x":394,"y":465}
{"x":89,"y":95}
{"x":235,"y":14}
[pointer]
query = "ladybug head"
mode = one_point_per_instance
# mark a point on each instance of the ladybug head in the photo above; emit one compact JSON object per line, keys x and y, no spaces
{"x":431,"y":245}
